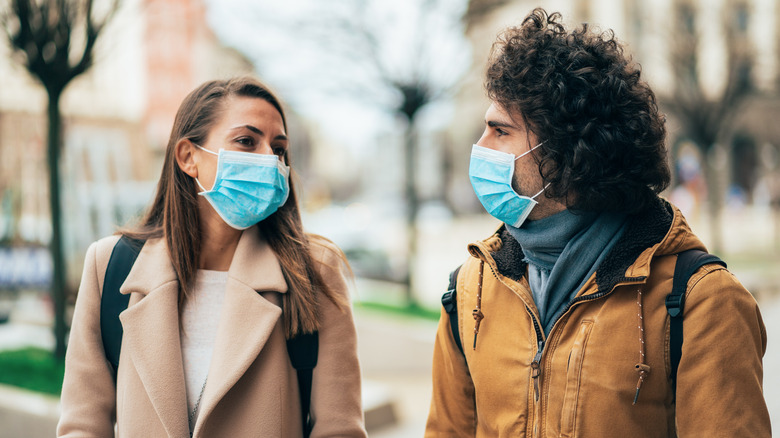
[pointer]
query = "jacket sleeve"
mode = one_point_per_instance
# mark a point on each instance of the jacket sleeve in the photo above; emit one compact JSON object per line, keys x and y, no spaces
{"x":453,"y":409}
{"x":336,"y":408}
{"x":719,"y":387}
{"x":88,"y":397}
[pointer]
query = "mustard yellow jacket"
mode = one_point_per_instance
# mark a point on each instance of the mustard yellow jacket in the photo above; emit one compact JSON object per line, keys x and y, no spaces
{"x":584,"y":381}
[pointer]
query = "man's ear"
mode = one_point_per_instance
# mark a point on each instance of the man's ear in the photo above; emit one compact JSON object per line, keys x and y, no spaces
{"x":184,"y":151}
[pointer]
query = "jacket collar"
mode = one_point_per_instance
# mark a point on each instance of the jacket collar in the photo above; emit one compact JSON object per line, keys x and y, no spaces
{"x":659,"y":230}
{"x":151,"y":325}
{"x":630,"y":258}
{"x":254,"y":265}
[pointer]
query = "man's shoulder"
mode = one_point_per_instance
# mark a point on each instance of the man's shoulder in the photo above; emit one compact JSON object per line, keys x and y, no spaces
{"x":499,"y":247}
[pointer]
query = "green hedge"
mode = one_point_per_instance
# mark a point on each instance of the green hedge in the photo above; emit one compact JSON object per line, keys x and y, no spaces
{"x":32,"y":368}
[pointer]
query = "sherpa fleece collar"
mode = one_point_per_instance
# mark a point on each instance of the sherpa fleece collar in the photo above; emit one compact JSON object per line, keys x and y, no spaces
{"x":644,"y":230}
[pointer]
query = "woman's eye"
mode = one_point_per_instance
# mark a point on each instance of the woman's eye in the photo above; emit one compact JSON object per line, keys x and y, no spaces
{"x":501,"y":132}
{"x":246,"y":141}
{"x":280,"y":151}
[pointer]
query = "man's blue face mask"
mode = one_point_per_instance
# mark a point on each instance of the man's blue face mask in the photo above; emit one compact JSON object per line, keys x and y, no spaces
{"x":491,"y":173}
{"x":247,"y":188}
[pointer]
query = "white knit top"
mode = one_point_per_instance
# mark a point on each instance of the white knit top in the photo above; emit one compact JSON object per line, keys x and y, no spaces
{"x":199,"y":319}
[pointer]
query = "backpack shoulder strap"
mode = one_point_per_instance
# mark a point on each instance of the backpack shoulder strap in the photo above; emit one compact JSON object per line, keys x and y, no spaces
{"x":112,"y":303}
{"x":688,"y":262}
{"x":450,"y":302}
{"x":303,"y":351}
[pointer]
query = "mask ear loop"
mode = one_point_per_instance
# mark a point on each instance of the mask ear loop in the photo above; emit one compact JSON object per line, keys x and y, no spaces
{"x":529,"y":151}
{"x":203,"y":189}
{"x":205,"y":150}
{"x":540,"y":191}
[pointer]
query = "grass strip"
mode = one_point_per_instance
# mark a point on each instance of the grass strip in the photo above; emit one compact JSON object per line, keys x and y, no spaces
{"x":32,"y":368}
{"x":412,"y":310}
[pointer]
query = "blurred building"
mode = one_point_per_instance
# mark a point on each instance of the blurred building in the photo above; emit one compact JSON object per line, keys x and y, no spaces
{"x":116,"y":122}
{"x":729,"y":34}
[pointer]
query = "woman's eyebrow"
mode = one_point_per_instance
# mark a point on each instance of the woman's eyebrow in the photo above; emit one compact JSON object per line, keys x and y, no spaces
{"x":258,"y":131}
{"x":249,"y":127}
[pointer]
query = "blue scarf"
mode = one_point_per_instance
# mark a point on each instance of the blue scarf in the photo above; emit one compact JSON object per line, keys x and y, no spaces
{"x":562,"y":252}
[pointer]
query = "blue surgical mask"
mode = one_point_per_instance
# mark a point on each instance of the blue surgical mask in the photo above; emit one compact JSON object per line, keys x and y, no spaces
{"x":248,"y":187}
{"x":491,"y":174}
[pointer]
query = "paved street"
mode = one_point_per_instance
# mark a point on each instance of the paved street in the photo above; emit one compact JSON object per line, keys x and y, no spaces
{"x":395,"y":353}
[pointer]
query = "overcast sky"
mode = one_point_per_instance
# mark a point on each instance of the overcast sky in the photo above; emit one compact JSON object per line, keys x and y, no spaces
{"x":325,"y":73}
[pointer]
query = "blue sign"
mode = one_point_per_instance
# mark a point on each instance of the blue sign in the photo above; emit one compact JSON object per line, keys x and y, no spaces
{"x":22,"y":267}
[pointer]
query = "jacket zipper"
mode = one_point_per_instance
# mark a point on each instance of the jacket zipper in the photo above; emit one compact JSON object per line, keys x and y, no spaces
{"x":536,"y":370}
{"x":536,"y":365}
{"x":593,"y":297}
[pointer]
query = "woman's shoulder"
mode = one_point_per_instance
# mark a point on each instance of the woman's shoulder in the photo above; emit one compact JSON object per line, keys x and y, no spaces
{"x":324,"y":250}
{"x":103,"y":247}
{"x":334,"y":268}
{"x":97,"y":256}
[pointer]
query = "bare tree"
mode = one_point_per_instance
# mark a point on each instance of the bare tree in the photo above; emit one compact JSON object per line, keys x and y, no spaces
{"x":389,"y":56}
{"x":707,"y":120}
{"x":415,"y":83}
{"x":479,"y":9}
{"x":55,"y":41}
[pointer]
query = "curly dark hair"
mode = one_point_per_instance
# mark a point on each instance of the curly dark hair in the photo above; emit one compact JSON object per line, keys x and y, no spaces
{"x":605,"y":138}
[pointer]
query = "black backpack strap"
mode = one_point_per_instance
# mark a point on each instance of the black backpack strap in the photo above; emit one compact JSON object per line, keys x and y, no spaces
{"x":112,"y":303}
{"x":688,"y":262}
{"x":450,"y":302}
{"x":303,"y":351}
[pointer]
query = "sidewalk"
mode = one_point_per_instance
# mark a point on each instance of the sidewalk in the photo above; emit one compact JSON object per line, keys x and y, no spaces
{"x":395,"y":356}
{"x":25,"y":413}
{"x":395,"y":353}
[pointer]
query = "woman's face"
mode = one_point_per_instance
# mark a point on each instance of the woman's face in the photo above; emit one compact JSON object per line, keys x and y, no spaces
{"x":246,"y":124}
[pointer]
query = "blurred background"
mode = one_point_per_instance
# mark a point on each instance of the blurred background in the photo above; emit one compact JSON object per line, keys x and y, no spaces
{"x":384,"y":101}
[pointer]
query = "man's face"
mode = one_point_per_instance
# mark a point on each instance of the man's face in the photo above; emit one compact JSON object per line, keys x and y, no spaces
{"x":507,"y":132}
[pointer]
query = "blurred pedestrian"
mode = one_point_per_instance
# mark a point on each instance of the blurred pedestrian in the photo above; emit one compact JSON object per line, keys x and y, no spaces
{"x":225,"y":277}
{"x":561,"y":313}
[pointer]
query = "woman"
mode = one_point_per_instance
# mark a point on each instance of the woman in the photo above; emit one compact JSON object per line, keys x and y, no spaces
{"x":225,"y":277}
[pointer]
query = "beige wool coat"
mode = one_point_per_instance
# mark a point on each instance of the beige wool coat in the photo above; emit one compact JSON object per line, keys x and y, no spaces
{"x":252,"y":388}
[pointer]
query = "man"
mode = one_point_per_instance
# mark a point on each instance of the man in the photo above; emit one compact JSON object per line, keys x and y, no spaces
{"x":561,"y":312}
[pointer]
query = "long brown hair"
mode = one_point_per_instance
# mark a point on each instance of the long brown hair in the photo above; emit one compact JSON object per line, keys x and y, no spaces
{"x":174,"y":213}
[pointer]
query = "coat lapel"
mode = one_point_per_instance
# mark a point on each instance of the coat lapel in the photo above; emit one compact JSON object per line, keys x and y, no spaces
{"x":151,"y":335}
{"x":247,"y":318}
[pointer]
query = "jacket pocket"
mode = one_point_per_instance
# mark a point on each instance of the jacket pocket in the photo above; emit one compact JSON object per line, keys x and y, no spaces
{"x":573,"y":376}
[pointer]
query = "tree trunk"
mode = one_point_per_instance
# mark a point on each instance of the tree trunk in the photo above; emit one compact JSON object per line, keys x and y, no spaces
{"x":776,"y":216}
{"x":714,"y":204}
{"x":412,"y":205}
{"x":58,"y":278}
